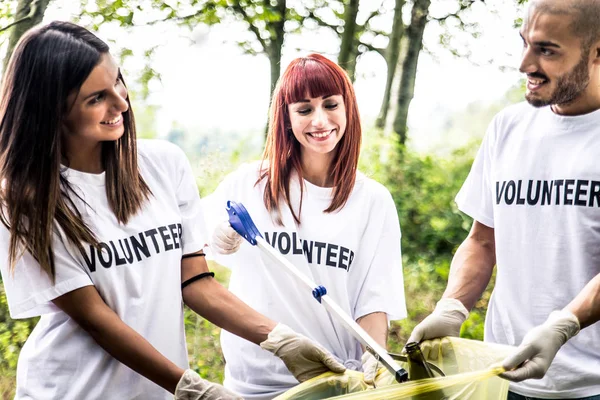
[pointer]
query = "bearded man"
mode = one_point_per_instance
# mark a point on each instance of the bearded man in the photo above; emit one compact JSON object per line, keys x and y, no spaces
{"x":534,"y":194}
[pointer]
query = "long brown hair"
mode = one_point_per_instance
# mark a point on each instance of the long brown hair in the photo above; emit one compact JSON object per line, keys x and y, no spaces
{"x":315,"y":76}
{"x":48,"y":64}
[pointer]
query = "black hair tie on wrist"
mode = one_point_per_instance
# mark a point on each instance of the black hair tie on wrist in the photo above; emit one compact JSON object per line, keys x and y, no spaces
{"x":196,"y":278}
{"x":193,"y":255}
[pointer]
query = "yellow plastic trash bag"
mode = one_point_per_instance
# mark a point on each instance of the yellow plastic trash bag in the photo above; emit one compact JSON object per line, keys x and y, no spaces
{"x":470,"y":366}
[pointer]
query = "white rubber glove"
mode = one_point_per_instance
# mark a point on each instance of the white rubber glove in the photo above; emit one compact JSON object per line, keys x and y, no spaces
{"x":192,"y":387}
{"x":304,"y":358}
{"x":445,"y":320}
{"x":225,"y":240}
{"x":370,"y":365}
{"x":539,"y":347}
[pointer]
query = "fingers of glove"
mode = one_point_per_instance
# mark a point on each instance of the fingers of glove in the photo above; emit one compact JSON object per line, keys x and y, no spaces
{"x":218,"y":392}
{"x":529,"y":370}
{"x":192,"y":387}
{"x":523,"y":353}
{"x":334,"y":365}
{"x":369,"y":366}
{"x":226,"y":233}
{"x":416,"y":335}
{"x":225,"y":239}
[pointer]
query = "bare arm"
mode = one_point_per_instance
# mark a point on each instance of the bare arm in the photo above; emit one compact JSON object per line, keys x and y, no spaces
{"x":472,"y":266}
{"x":376,"y":325}
{"x":586,"y":306}
{"x":86,"y":307}
{"x":210,"y":299}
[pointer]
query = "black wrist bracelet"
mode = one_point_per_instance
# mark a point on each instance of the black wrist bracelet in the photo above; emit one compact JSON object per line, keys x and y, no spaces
{"x":193,"y":255}
{"x":196,"y":278}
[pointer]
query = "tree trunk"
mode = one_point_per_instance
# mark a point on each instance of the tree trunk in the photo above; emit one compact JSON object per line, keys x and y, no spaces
{"x":420,"y":13}
{"x":391,"y":59}
{"x":29,"y":13}
{"x":348,"y":47}
{"x":277,"y":30}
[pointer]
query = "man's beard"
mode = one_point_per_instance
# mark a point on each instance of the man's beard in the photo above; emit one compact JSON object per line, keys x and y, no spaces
{"x":568,"y":87}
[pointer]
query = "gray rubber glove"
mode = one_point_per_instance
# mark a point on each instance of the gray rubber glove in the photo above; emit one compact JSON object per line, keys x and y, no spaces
{"x":539,"y":347}
{"x":304,"y":358}
{"x":192,"y":387}
{"x":445,"y":320}
{"x":370,"y":365}
{"x":225,"y":240}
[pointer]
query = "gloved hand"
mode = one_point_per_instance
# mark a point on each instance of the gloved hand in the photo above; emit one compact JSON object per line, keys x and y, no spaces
{"x":192,"y":387}
{"x":225,"y":240}
{"x":370,"y":365}
{"x":445,"y":320}
{"x":539,"y":347}
{"x":304,"y":358}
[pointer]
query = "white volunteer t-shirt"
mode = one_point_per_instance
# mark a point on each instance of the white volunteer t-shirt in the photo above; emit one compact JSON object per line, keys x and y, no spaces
{"x":354,"y":253}
{"x":536,"y":181}
{"x":138,"y":274}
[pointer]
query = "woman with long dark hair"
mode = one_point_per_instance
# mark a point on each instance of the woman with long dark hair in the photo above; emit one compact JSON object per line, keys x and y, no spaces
{"x":102,"y":237}
{"x":332,"y":222}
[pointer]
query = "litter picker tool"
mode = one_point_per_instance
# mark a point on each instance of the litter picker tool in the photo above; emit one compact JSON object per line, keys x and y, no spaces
{"x":240,"y":221}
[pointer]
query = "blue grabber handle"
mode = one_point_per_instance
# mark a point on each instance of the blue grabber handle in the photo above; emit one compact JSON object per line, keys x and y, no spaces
{"x":240,"y":221}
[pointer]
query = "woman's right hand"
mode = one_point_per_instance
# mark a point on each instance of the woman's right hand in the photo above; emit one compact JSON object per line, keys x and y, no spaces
{"x":225,"y":240}
{"x":192,"y":387}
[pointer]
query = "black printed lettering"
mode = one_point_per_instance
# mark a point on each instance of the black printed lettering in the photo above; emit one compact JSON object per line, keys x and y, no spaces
{"x":510,"y":198}
{"x":580,"y":190}
{"x":165,"y":238}
{"x":139,"y":246}
{"x":568,"y":191}
{"x":520,"y":199}
{"x":151,"y":233}
{"x":594,"y":194}
{"x":172,"y":229}
{"x":126,"y":251}
{"x":532,"y":199}
{"x":558,"y":184}
{"x":320,"y":246}
{"x":344,"y":252}
{"x":331,"y":255}
{"x":351,"y":259}
{"x":284,"y":248}
{"x":296,"y":249}
{"x":119,"y":260}
{"x":499,"y":191}
{"x":105,"y":263}
{"x":547,"y":192}
{"x":91,"y":261}
{"x":308,"y":250}
{"x":272,"y":240}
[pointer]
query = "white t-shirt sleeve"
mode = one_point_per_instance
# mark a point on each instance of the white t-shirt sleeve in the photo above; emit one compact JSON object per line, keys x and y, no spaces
{"x":30,"y":290}
{"x":194,"y":233}
{"x":475,"y":197}
{"x":383,"y":286}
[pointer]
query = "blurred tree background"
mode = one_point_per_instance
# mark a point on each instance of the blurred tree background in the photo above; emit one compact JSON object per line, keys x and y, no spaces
{"x":423,"y":185}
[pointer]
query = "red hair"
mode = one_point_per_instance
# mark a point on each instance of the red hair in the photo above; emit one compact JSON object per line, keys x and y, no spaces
{"x":315,"y":76}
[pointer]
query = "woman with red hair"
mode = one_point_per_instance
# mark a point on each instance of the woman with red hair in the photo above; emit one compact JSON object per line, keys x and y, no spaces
{"x":332,"y":222}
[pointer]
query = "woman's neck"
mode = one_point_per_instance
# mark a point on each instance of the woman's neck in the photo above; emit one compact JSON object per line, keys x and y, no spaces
{"x":86,"y":158}
{"x":316,"y":168}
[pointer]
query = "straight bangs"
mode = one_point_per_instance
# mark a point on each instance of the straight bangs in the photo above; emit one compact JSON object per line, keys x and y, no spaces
{"x":310,"y":78}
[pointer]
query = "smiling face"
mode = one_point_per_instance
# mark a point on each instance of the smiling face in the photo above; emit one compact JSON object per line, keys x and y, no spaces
{"x":318,"y":123}
{"x":97,"y":109}
{"x":556,"y":62}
